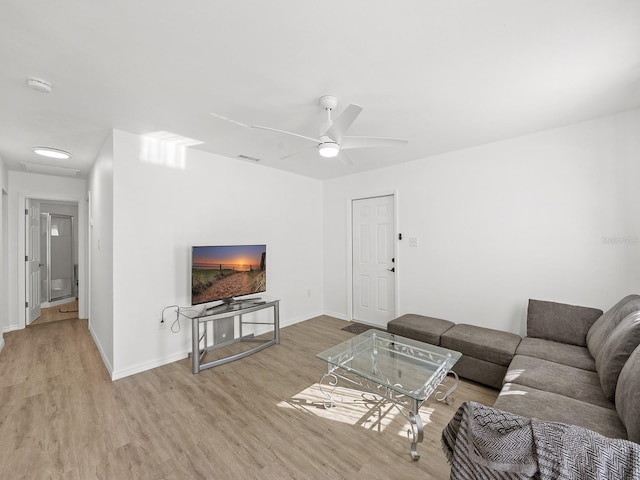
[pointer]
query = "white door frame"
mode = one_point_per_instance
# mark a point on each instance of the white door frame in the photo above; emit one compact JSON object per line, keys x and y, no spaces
{"x":83,"y":281}
{"x":382,"y":193}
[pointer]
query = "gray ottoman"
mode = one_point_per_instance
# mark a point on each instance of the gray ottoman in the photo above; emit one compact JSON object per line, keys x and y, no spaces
{"x":419,"y":327}
{"x":486,"y":353}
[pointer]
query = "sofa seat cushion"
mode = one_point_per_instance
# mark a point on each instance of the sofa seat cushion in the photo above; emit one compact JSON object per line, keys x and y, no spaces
{"x":615,"y":351}
{"x":480,"y":371}
{"x":628,"y":396}
{"x":557,"y":352}
{"x":560,"y":322}
{"x":494,"y":346}
{"x":557,"y":378}
{"x":419,"y":327}
{"x":609,"y":320}
{"x":532,"y":402}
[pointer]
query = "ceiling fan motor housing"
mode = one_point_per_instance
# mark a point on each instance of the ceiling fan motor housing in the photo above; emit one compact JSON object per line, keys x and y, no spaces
{"x":328,"y":102}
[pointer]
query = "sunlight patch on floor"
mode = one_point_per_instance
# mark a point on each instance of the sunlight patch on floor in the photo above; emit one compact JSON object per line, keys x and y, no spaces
{"x":354,"y":407}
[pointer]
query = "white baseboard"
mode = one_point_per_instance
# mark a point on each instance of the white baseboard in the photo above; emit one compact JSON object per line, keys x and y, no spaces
{"x":105,"y":359}
{"x":10,"y":328}
{"x":1,"y":343}
{"x":340,"y":316}
{"x":143,"y":367}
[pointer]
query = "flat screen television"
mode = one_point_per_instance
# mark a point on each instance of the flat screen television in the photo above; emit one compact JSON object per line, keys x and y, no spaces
{"x":224,"y":272}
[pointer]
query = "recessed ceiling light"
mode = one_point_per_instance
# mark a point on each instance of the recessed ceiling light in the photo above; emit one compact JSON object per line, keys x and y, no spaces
{"x":52,"y":152}
{"x":50,"y":170}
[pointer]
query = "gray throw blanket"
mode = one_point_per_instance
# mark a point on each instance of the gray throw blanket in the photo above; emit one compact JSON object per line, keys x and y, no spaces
{"x":485,"y":443}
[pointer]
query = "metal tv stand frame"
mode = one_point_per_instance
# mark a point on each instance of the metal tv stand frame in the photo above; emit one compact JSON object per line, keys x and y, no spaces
{"x":231,"y":310}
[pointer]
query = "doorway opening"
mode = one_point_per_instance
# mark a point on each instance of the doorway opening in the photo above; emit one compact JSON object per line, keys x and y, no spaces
{"x":51,"y":247}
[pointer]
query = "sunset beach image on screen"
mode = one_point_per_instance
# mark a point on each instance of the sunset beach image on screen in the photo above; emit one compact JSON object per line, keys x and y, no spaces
{"x":223,"y":272}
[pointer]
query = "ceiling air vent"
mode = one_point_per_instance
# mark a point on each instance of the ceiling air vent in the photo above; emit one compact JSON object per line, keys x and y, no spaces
{"x":50,"y":170}
{"x":247,"y":157}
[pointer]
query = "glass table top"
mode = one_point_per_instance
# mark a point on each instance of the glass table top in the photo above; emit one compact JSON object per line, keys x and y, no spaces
{"x":407,"y":366}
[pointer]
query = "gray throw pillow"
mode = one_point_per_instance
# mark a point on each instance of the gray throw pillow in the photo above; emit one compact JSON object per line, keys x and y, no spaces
{"x":600,"y":330}
{"x":615,"y":352}
{"x":628,"y":396}
{"x":560,"y":322}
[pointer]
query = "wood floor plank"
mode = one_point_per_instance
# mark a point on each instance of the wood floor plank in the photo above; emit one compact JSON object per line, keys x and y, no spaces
{"x":261,"y":417}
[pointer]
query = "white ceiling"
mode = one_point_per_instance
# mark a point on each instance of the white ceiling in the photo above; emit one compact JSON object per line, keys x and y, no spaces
{"x":444,"y":74}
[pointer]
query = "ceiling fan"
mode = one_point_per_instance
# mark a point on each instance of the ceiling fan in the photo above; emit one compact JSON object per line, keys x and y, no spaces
{"x":332,"y":139}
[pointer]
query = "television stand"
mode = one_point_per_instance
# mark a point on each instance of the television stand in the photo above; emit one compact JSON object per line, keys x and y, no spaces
{"x":199,"y":336}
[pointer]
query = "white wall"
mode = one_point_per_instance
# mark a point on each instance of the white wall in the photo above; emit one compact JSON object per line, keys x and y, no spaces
{"x":4,"y":275}
{"x":23,"y":185}
{"x":100,"y":195}
{"x":160,"y":211}
{"x":553,"y":215}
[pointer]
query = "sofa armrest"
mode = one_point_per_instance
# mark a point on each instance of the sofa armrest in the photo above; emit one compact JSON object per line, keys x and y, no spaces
{"x":560,"y":322}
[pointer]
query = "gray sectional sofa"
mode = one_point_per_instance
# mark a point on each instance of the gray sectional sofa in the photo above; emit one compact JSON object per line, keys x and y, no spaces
{"x":577,"y":365}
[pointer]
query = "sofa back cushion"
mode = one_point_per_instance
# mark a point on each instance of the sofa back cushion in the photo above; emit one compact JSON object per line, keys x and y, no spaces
{"x":628,"y":396}
{"x":615,"y":352}
{"x":560,"y":322}
{"x":601,"y":329}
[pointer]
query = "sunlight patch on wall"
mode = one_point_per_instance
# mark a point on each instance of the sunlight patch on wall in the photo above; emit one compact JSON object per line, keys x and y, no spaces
{"x":166,"y":149}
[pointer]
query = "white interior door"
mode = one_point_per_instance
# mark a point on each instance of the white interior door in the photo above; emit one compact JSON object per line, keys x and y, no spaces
{"x":32,"y":260}
{"x":373,"y":235}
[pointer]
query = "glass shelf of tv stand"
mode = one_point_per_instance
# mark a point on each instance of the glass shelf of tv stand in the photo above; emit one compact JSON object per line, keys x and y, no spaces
{"x":238,"y":308}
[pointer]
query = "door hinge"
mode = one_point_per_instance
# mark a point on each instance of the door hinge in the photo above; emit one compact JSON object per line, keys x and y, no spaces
{"x":26,"y":304}
{"x":26,"y":211}
{"x":26,"y":258}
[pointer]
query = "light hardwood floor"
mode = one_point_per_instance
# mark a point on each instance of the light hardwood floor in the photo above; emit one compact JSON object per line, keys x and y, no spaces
{"x":260,"y":417}
{"x":66,"y":311}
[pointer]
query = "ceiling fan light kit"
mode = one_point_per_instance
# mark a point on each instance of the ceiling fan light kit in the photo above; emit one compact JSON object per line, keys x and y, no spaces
{"x":329,"y":149}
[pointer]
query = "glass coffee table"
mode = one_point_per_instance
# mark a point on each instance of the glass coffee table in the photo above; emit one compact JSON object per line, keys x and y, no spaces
{"x":404,"y":371}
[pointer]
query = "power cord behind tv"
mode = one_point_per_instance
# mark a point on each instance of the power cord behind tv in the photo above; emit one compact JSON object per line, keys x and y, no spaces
{"x":186,"y":312}
{"x":176,"y":321}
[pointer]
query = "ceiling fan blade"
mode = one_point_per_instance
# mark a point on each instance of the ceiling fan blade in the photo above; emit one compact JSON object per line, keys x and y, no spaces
{"x":314,"y":140}
{"x":227,"y":119}
{"x":296,"y":153}
{"x":343,"y":122}
{"x":367,"y":142}
{"x":345,"y":159}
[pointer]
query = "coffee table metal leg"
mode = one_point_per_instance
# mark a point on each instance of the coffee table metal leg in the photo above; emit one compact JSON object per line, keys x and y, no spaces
{"x":332,"y":382}
{"x":447,"y":396}
{"x":415,"y":433}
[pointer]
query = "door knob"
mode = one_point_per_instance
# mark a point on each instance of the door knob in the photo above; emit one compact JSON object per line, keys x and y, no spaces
{"x":392,"y":269}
